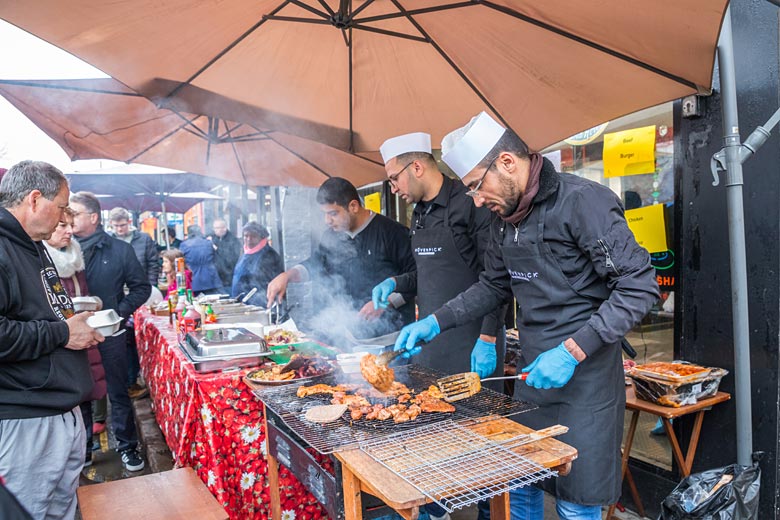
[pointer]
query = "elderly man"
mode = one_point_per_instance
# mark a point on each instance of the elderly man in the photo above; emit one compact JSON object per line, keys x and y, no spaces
{"x":146,"y":252}
{"x":44,"y":371}
{"x":227,"y":251}
{"x":111,"y":266}
{"x":563,"y":249}
{"x":259,"y":265}
{"x":357,"y":251}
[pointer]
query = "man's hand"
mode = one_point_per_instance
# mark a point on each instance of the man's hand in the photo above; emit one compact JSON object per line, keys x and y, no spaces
{"x":551,"y":369}
{"x":381,"y":293}
{"x":369,"y":313}
{"x":483,"y":357}
{"x":422,"y":331}
{"x":277,"y":288}
{"x":82,"y":335}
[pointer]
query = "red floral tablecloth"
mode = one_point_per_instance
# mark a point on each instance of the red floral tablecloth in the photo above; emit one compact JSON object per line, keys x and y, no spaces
{"x":213,"y":423}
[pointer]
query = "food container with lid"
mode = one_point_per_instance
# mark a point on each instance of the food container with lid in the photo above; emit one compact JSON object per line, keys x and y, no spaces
{"x":105,"y":322}
{"x":668,"y":388}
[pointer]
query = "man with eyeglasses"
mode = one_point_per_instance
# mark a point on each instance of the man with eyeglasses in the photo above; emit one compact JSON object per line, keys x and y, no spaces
{"x":449,"y":238}
{"x":44,"y":368}
{"x":358,"y":250}
{"x":563,"y":249}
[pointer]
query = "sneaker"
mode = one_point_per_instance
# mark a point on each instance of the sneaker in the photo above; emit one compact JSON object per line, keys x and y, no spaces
{"x":98,"y":428}
{"x":88,"y":459}
{"x":132,"y":461}
{"x":137,"y":391}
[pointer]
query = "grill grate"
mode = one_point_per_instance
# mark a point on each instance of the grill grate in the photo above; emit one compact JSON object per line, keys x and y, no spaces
{"x":340,"y":435}
{"x":454,"y":466}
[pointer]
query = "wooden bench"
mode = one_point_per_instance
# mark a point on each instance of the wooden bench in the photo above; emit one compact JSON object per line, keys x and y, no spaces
{"x":171,"y":495}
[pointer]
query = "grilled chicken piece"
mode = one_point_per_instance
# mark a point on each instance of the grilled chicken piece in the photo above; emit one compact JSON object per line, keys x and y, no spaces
{"x":356,"y":413}
{"x":436,"y":405}
{"x":353,"y":401}
{"x":384,"y":414}
{"x":404,"y":398}
{"x":413,"y":411}
{"x":379,"y":376}
{"x":304,"y":391}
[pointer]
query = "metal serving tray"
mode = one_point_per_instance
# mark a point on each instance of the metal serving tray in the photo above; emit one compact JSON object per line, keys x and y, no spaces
{"x":225,"y":364}
{"x":224,"y":342}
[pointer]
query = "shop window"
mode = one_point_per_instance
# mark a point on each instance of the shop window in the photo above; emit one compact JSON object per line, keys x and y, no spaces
{"x":633,"y":156}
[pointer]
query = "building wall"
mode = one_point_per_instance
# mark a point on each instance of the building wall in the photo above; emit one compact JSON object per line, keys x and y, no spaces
{"x":704,"y":319}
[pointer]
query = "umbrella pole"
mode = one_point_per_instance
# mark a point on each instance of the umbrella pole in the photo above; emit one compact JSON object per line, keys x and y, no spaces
{"x":165,"y":225}
{"x":736,"y":223}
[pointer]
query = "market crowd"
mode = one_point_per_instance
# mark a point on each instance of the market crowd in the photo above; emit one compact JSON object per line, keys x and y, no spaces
{"x":506,"y":227}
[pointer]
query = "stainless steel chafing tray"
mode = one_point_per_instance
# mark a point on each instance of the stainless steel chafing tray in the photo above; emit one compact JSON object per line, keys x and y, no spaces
{"x":224,"y":342}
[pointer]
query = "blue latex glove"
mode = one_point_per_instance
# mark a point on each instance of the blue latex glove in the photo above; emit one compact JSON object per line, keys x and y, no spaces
{"x":421,"y":331}
{"x":381,"y":292}
{"x":483,"y":358}
{"x":551,"y":369}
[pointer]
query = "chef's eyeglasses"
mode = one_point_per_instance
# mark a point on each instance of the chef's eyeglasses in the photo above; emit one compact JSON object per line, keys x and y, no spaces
{"x":474,"y":192}
{"x":393,"y":179}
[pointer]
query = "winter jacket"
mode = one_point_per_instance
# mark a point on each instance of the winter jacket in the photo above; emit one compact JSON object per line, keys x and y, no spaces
{"x":226,"y":256}
{"x":147,"y":254}
{"x":38,"y":376}
{"x":200,"y":258}
{"x":257,"y":270}
{"x":586,"y":232}
{"x":112,"y":265}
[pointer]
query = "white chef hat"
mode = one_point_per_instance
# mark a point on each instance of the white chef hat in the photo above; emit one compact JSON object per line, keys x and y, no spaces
{"x":415,"y":142}
{"x":464,"y":148}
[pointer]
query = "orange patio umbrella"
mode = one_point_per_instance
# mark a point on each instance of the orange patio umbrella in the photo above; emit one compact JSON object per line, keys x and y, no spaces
{"x":379,"y":68}
{"x":103,"y":119}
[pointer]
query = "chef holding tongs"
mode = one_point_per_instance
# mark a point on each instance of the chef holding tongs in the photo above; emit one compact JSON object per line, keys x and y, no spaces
{"x":563,"y":249}
{"x":449,"y":237}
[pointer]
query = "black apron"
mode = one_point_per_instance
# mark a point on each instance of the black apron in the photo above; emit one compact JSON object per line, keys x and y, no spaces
{"x":442,"y":274}
{"x":592,"y":403}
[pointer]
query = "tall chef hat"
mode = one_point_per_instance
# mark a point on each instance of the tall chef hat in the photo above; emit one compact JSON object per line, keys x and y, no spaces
{"x":415,"y":142}
{"x":464,"y":148}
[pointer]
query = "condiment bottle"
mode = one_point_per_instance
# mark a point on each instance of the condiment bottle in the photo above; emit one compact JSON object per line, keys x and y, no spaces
{"x":211,"y":316}
{"x":190,"y":320}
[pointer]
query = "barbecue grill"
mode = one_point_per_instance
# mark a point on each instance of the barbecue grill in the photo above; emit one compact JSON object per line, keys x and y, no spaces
{"x":344,"y":434}
{"x":289,"y":435}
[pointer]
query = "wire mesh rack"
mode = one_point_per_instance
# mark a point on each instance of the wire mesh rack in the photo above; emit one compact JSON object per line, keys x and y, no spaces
{"x":344,"y":434}
{"x":454,"y":466}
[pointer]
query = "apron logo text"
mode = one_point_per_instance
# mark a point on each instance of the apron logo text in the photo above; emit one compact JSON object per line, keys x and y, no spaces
{"x":427,"y":251}
{"x":523,"y":277}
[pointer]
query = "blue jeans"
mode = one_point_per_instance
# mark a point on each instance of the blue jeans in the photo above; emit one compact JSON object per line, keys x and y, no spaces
{"x":527,"y":503}
{"x":114,"y":353}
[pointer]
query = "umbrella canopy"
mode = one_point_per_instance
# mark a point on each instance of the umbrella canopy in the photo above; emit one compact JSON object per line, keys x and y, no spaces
{"x":103,"y":119}
{"x":384,"y":67}
{"x":138,"y":203}
{"x":139,"y":179}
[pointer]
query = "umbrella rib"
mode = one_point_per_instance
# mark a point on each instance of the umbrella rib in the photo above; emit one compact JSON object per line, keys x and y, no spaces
{"x":351,"y":129}
{"x":226,"y":49}
{"x":591,"y":44}
{"x":324,"y":4}
{"x":365,"y":4}
{"x":238,"y":159}
{"x":451,"y":63}
{"x":64,"y":87}
{"x":412,"y":12}
{"x":344,"y":35}
{"x":391,"y":33}
{"x":296,"y":154}
{"x":163,"y":138}
{"x":297,"y":19}
{"x":309,"y":8}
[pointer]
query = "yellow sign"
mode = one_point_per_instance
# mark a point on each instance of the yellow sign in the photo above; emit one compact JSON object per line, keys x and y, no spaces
{"x":373,"y":202}
{"x":630,"y":152}
{"x":648,"y":227}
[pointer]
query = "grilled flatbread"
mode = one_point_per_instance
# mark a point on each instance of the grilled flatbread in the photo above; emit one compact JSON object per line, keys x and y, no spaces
{"x":325,"y":413}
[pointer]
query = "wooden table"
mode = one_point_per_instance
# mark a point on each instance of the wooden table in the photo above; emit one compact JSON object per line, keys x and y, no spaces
{"x":666,"y":414}
{"x":171,"y":495}
{"x":361,"y":473}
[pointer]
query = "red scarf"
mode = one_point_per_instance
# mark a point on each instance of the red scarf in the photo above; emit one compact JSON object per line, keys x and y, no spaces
{"x":531,"y":189}
{"x":258,"y":247}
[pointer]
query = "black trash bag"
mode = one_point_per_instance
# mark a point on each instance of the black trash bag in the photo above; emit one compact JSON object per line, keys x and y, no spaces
{"x":736,"y":497}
